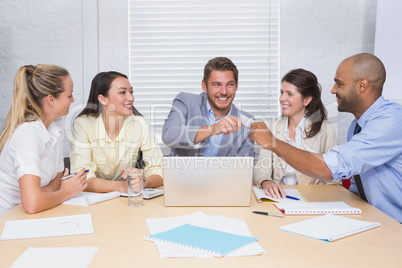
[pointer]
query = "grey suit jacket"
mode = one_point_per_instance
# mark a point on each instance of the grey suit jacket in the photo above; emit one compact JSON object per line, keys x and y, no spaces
{"x":189,"y":112}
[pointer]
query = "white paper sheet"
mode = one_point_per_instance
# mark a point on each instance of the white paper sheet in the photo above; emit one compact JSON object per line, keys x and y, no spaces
{"x":88,"y":198}
{"x":46,"y":227}
{"x":220,"y":223}
{"x":62,"y":257}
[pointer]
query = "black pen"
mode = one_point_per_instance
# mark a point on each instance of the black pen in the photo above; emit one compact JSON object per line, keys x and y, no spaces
{"x":268,"y":213}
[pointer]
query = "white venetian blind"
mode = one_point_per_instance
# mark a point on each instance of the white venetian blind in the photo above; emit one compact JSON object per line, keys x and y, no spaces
{"x":171,"y":41}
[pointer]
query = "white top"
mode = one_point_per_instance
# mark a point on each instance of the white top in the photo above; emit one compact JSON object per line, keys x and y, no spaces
{"x":32,"y":149}
{"x":289,"y":178}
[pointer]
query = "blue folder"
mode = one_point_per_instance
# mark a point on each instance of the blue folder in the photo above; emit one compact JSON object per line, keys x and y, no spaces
{"x":206,"y":240}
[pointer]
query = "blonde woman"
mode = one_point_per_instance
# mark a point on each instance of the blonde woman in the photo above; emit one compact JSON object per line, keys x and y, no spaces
{"x":303,"y":125}
{"x":110,"y":134}
{"x":31,"y":143}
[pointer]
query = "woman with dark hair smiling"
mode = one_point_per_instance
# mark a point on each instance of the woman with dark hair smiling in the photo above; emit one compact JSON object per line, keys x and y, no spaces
{"x":303,"y":125}
{"x":110,"y":134}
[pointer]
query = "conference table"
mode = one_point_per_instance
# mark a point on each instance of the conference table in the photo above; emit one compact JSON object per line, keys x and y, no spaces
{"x":119,"y":232}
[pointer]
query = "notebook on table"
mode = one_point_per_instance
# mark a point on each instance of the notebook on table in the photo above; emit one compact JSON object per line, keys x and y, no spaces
{"x":295,"y":196}
{"x":208,"y":181}
{"x":317,"y":208}
{"x":89,"y":198}
{"x":147,"y":193}
{"x":329,"y":227}
{"x":202,"y":239}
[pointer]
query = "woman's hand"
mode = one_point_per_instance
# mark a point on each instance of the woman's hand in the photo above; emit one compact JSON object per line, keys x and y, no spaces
{"x":76,"y":184}
{"x":273,"y":189}
{"x":137,"y":184}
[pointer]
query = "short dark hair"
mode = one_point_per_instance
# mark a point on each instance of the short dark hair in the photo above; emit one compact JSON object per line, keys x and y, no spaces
{"x":220,"y":64}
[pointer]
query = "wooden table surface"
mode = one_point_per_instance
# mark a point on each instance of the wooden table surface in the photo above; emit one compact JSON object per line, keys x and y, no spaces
{"x":119,"y":232}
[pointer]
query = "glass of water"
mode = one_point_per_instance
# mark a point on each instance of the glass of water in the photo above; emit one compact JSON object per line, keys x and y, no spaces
{"x":135,"y":178}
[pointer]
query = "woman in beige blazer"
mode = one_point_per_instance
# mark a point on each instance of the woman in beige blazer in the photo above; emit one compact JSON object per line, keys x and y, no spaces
{"x":303,"y":124}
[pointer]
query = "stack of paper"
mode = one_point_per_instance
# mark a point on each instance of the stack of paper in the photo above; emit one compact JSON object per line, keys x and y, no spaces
{"x":206,"y":240}
{"x":199,"y":219}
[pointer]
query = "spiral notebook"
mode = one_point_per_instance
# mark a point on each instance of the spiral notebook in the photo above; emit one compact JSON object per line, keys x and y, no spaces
{"x":329,"y":227}
{"x":206,"y":240}
{"x":317,"y":208}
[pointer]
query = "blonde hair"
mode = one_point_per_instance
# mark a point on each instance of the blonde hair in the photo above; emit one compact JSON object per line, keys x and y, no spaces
{"x":31,"y":85}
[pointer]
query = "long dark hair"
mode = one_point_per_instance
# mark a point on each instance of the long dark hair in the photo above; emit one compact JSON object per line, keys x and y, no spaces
{"x":100,"y":86}
{"x":307,"y":85}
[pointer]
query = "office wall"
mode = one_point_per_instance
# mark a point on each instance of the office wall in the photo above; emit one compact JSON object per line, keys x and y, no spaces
{"x":318,"y":35}
{"x":34,"y":32}
{"x":315,"y":35}
{"x":388,"y":46}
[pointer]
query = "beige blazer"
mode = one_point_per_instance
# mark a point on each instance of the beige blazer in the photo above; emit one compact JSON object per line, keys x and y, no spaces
{"x":270,"y":167}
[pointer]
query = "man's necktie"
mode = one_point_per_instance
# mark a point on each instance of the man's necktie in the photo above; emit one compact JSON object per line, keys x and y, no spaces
{"x":357,"y":178}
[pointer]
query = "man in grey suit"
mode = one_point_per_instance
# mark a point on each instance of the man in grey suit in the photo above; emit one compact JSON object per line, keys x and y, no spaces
{"x":209,"y":124}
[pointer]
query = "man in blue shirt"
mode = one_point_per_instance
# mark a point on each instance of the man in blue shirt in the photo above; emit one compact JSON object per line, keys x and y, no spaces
{"x":209,"y":124}
{"x":374,"y":147}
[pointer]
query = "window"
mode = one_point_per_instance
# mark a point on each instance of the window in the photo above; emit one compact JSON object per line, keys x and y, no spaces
{"x":171,"y":41}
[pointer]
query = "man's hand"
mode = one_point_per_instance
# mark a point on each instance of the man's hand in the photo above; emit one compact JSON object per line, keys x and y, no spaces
{"x":260,"y":133}
{"x":229,"y":124}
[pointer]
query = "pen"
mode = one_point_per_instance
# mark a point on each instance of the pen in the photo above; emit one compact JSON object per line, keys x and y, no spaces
{"x":69,"y":176}
{"x":268,"y":213}
{"x":291,"y":197}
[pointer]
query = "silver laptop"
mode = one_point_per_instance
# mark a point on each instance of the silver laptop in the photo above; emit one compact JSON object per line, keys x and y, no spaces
{"x":207,"y":181}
